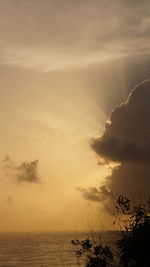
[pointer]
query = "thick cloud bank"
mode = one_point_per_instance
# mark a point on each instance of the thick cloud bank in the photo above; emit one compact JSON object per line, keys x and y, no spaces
{"x":127,"y":136}
{"x":25,"y":172}
{"x":126,"y":140}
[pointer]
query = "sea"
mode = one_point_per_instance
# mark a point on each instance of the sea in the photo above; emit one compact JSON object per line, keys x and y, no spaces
{"x":45,"y":249}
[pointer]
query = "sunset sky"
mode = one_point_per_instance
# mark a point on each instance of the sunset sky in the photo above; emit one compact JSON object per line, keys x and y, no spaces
{"x":64,"y":66}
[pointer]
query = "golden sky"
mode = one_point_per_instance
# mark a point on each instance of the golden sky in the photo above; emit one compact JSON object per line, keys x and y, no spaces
{"x":63,"y":67}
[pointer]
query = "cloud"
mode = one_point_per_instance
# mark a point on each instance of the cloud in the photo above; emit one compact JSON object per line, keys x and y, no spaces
{"x":43,"y":36}
{"x":94,"y":194}
{"x":126,"y":140}
{"x":127,"y":134}
{"x":45,"y":59}
{"x":25,"y":172}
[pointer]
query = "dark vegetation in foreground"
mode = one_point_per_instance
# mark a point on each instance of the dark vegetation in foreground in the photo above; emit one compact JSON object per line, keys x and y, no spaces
{"x":133,"y":246}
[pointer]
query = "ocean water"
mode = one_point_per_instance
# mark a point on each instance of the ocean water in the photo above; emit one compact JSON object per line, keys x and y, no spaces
{"x":43,"y":249}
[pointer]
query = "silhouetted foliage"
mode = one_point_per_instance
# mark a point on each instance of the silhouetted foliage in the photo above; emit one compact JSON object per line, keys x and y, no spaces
{"x":97,"y":255}
{"x":133,"y":247}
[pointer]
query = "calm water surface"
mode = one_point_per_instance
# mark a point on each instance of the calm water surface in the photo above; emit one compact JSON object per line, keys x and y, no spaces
{"x":42,"y":249}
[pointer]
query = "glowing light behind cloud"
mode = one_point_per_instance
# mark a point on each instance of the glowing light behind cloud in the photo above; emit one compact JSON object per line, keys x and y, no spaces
{"x":64,"y":65}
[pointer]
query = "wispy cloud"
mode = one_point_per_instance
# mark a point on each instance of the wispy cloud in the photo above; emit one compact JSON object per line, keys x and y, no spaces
{"x":45,"y":60}
{"x":45,"y":37}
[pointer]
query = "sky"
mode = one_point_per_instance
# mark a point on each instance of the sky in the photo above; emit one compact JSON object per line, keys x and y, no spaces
{"x":64,"y":66}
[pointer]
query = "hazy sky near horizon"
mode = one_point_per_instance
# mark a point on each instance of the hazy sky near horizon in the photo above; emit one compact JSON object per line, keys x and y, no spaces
{"x":64,"y":65}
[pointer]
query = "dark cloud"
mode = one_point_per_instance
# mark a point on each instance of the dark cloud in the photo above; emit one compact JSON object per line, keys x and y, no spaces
{"x":126,"y":140}
{"x":127,"y":135}
{"x":95,"y":194}
{"x":25,"y":172}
